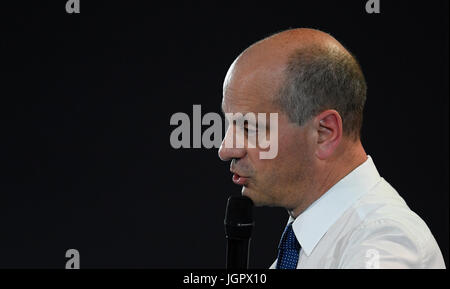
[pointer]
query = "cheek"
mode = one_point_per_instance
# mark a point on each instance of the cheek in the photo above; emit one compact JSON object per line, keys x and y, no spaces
{"x":291,"y":152}
{"x":269,"y":169}
{"x":288,"y":148}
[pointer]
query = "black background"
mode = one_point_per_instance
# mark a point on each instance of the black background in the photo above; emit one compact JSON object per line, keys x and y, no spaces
{"x":86,"y":100}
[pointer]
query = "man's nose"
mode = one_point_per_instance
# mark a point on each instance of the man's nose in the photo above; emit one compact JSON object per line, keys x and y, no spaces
{"x":227,"y":150}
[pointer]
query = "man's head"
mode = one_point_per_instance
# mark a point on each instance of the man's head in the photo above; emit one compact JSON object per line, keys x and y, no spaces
{"x":318,"y":90}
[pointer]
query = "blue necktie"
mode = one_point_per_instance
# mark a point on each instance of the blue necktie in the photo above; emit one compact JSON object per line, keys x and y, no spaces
{"x":288,"y":249}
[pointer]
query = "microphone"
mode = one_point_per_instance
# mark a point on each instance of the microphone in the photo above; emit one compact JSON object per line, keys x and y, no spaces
{"x":238,"y":230}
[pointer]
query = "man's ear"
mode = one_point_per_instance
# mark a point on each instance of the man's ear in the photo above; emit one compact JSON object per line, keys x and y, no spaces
{"x":328,"y":125}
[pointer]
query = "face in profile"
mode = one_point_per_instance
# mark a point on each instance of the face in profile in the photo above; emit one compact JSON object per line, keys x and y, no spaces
{"x":271,"y":182}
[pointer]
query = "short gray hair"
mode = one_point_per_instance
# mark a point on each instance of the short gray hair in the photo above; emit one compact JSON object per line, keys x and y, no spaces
{"x":320,"y":78}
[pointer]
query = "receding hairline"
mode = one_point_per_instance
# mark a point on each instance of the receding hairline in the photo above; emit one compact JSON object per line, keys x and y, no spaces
{"x":277,"y":55}
{"x":277,"y":50}
{"x":346,"y":73}
{"x":284,"y":43}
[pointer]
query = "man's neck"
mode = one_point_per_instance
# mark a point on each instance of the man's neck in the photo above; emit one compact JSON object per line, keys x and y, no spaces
{"x":332,"y":172}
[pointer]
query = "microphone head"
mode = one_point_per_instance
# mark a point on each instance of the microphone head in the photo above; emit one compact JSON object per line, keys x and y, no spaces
{"x":239,"y":218}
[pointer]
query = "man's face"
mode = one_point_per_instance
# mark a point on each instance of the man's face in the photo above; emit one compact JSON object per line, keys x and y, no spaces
{"x":272,"y":182}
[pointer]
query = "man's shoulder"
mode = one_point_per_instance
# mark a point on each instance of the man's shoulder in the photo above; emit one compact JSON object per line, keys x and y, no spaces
{"x":382,"y":206}
{"x":381,"y":219}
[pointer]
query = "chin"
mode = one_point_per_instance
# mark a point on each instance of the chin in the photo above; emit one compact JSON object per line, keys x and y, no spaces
{"x":248,"y":193}
{"x":254,"y":196}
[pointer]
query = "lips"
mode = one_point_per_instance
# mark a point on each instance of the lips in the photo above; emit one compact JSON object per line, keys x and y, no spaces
{"x":239,"y":180}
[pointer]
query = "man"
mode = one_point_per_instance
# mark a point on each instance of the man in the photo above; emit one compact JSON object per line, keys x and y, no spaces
{"x":342,"y":213}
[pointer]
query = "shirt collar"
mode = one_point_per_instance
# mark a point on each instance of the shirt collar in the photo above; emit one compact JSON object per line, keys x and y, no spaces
{"x":310,"y":226}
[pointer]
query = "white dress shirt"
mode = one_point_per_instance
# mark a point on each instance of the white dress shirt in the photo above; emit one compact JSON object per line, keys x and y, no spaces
{"x":362,"y":222}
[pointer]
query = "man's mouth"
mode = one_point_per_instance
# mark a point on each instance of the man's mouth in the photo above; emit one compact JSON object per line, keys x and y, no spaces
{"x":240,"y":180}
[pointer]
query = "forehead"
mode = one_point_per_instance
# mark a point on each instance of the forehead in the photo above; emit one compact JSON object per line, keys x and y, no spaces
{"x":250,"y":89}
